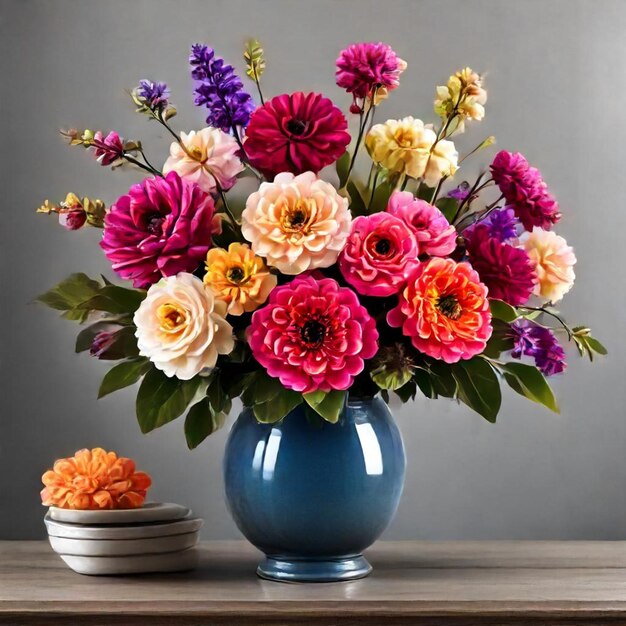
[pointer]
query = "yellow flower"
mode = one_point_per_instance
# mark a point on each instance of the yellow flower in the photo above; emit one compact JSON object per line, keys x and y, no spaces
{"x":465,"y":92}
{"x":408,"y":147}
{"x":238,"y":277}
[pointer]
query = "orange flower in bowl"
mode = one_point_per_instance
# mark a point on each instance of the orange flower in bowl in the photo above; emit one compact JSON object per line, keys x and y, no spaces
{"x":94,"y":479}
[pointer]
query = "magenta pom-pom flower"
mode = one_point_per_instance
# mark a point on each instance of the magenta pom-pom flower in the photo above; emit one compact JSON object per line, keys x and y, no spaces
{"x":296,"y":133}
{"x":508,"y":272}
{"x":161,"y":227}
{"x":434,"y":234}
{"x":365,"y":67}
{"x":381,"y":250}
{"x":525,"y":190}
{"x":313,"y":335}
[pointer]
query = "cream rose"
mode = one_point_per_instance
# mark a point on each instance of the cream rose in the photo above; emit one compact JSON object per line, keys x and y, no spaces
{"x":297,"y":223}
{"x":181,"y":326}
{"x":409,"y":147}
{"x":554,"y":261}
{"x":208,"y":155}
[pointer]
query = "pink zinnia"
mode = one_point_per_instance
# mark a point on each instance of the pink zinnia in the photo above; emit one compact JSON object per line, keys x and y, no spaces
{"x":525,"y":190}
{"x":296,"y":133}
{"x":313,"y":335}
{"x":378,"y":255}
{"x":444,"y":310}
{"x":163,"y":226}
{"x":364,"y":67}
{"x":507,"y":271}
{"x":434,"y":234}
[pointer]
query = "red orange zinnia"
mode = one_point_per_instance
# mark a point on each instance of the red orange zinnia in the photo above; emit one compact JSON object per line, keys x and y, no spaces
{"x":94,"y":479}
{"x":444,"y":310}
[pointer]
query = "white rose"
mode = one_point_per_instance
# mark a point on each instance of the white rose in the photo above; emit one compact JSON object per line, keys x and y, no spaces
{"x":181,"y":326}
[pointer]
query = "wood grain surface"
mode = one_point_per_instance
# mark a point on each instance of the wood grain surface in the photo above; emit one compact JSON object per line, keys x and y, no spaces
{"x":414,"y":583}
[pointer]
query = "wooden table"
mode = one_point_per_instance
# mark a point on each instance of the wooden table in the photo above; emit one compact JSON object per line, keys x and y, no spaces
{"x":414,"y":583}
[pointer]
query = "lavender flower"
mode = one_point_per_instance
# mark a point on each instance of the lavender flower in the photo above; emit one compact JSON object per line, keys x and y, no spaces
{"x":220,"y":90}
{"x":153,"y":95}
{"x":461,"y":192}
{"x":501,"y":225}
{"x":539,"y":343}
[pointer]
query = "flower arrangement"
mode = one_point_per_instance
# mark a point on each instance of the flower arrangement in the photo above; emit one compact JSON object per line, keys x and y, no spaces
{"x":320,"y":283}
{"x":94,"y":479}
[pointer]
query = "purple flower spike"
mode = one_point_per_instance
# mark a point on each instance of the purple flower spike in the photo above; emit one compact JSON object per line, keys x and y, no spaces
{"x":219,"y":89}
{"x":540,"y":343}
{"x":154,"y":95}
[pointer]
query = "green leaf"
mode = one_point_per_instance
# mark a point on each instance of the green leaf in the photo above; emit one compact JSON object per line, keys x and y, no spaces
{"x":443,"y":381}
{"x":381,"y":197}
{"x":201,"y":421}
{"x":478,"y":387}
{"x":85,"y":337}
{"x":114,"y":299}
{"x":328,"y":404}
{"x":501,"y":340}
{"x":595,"y":345}
{"x":407,"y":392}
{"x":424,"y":381}
{"x":70,"y":293}
{"x":278,"y":407}
{"x":357,"y":204}
{"x":342,"y":166}
{"x":529,"y":382}
{"x":448,"y":206}
{"x":162,"y":399}
{"x":503,"y":311}
{"x":121,"y":344}
{"x":123,"y":375}
{"x":424,"y":192}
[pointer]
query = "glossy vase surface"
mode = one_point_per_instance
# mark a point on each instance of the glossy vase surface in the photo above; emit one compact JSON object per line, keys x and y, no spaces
{"x":312,"y":495}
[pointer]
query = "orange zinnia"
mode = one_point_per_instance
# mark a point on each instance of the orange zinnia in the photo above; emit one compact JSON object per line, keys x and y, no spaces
{"x":94,"y":479}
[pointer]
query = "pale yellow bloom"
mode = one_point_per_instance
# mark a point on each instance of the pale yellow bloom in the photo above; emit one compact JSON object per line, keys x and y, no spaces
{"x":238,"y":277}
{"x":465,"y":91}
{"x":181,"y":327}
{"x":554,"y":261}
{"x":409,"y":147}
{"x":297,"y":223}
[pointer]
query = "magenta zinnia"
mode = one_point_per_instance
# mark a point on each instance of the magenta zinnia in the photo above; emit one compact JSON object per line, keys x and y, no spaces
{"x":363,"y":68}
{"x":313,"y":335}
{"x":507,"y":271}
{"x":296,"y":133}
{"x":163,"y":226}
{"x":525,"y":190}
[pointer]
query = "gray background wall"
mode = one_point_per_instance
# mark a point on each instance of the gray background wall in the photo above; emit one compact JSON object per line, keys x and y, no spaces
{"x":557,"y":88}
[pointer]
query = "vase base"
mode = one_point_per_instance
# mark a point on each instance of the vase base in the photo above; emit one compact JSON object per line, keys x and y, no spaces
{"x":314,"y":570}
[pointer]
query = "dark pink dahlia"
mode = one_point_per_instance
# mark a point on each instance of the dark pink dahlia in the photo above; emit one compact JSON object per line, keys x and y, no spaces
{"x":364,"y":67}
{"x":108,"y":150}
{"x":525,"y":190}
{"x":296,"y":133}
{"x":313,"y":335}
{"x":507,"y":271}
{"x":163,"y":226}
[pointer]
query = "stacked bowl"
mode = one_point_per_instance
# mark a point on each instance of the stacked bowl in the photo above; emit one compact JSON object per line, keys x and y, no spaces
{"x":158,"y":537}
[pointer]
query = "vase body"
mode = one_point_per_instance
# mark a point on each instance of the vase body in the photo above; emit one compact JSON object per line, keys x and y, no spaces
{"x":313,"y":495}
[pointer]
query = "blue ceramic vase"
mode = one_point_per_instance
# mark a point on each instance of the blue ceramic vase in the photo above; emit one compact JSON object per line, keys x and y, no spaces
{"x":312,"y":495}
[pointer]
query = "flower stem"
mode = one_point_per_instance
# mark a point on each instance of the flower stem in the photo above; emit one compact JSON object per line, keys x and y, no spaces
{"x":362,"y":124}
{"x":147,"y":168}
{"x":556,"y":316}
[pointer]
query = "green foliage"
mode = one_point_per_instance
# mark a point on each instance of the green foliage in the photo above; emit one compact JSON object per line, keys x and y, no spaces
{"x":343,"y":166}
{"x":254,"y":57}
{"x":587,"y":344}
{"x":162,"y":399}
{"x":70,"y":294}
{"x":501,"y":310}
{"x":123,"y":375}
{"x":478,"y":387}
{"x":357,"y":203}
{"x":267,"y":398}
{"x":328,"y":404}
{"x":529,"y":382}
{"x":209,"y":414}
{"x":501,"y":339}
{"x":381,"y":197}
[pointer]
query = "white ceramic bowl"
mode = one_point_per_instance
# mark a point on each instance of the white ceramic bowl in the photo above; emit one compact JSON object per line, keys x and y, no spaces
{"x":188,"y":524}
{"x":139,"y":564}
{"x":149,"y":512}
{"x":123,"y":547}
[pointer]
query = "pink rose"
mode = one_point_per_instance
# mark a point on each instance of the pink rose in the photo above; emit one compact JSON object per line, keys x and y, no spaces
{"x":379,"y":253}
